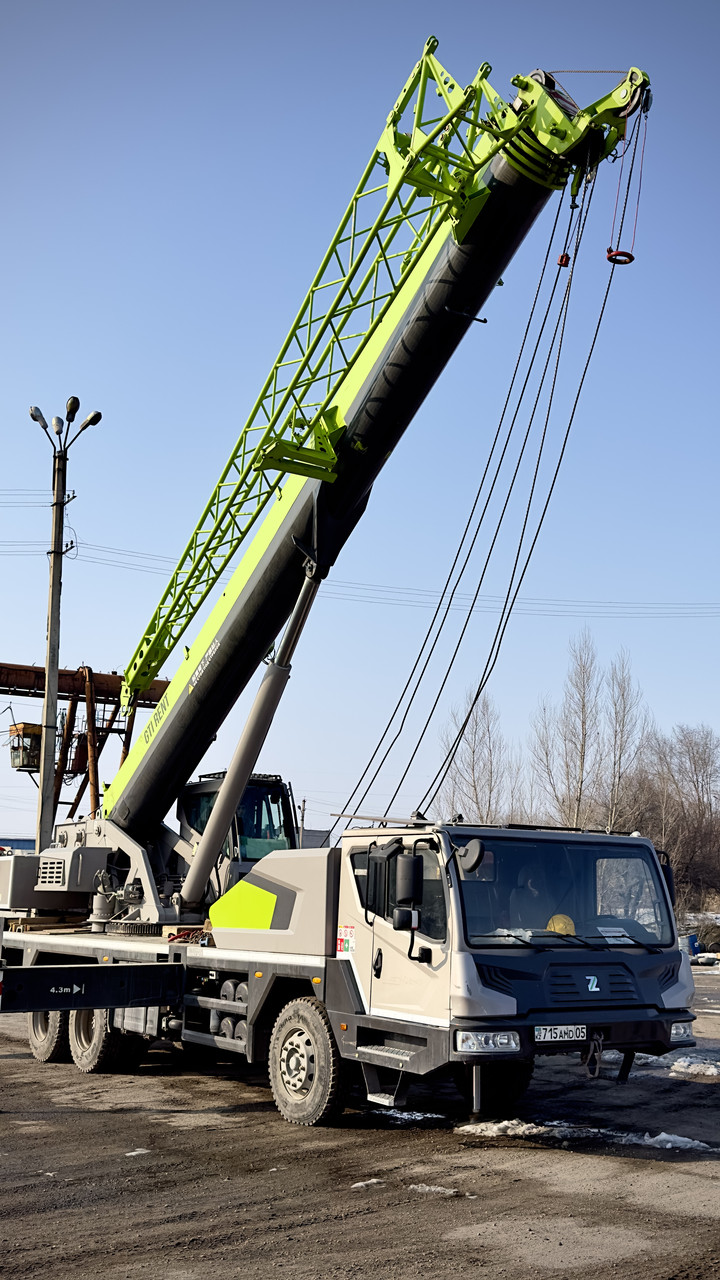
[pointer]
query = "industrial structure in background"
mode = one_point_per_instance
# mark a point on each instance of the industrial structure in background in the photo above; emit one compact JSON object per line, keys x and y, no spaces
{"x":92,"y":713}
{"x":411,"y":946}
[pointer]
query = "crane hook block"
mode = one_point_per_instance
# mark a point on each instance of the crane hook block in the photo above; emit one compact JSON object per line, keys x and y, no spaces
{"x":620,"y":257}
{"x":564,"y":260}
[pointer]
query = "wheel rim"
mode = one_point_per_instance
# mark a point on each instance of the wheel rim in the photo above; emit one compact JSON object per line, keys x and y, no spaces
{"x":84,"y":1027}
{"x":41,"y":1024}
{"x":297,"y":1062}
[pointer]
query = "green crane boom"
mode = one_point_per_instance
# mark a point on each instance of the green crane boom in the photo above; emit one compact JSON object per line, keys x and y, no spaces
{"x":455,"y":183}
{"x":421,"y":178}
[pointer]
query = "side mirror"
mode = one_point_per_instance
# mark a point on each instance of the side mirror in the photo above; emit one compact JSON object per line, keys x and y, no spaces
{"x":377,"y":876}
{"x":405,"y":918}
{"x":409,"y":879}
{"x":472,"y":855}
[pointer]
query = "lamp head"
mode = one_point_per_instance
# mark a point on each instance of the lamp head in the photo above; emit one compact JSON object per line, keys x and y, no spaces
{"x":36,"y":416}
{"x":71,"y":409}
{"x":91,"y":420}
{"x":57,"y":426}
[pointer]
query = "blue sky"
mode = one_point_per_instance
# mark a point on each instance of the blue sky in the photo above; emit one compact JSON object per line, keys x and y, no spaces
{"x":172,"y":175}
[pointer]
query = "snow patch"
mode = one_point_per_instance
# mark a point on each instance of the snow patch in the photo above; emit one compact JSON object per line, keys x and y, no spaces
{"x":139,"y":1151}
{"x":674,"y":1140}
{"x":678,"y":1064}
{"x":370,"y":1182}
{"x":407,"y":1117}
{"x":695,"y":1065}
{"x":427,"y":1189}
{"x":578,"y":1133}
{"x":611,"y":1056}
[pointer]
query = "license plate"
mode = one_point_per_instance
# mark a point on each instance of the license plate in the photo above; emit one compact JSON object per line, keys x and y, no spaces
{"x":560,"y":1033}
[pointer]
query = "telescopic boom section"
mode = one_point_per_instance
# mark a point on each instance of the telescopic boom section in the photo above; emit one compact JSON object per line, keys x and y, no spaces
{"x":456,"y":181}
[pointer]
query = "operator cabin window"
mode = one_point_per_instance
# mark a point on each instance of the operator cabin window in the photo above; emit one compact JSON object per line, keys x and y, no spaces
{"x":258,"y":827}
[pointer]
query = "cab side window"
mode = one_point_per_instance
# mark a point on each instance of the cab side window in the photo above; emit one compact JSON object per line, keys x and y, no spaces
{"x":359,"y":863}
{"x":433,"y":911}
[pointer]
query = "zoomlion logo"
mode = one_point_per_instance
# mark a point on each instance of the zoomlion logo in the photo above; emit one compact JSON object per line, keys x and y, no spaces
{"x":592,"y":982}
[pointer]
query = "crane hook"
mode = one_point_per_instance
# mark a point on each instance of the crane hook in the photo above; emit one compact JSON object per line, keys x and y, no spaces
{"x":620,"y":257}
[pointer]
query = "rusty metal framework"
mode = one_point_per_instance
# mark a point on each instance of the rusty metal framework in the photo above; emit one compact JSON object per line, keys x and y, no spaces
{"x":80,"y":738}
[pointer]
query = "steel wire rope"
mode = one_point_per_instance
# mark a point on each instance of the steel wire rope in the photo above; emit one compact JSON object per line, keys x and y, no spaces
{"x":640,"y":177}
{"x":430,"y":795}
{"x":559,"y":328}
{"x":470,"y":518}
{"x":633,"y":139}
{"x":449,"y":604}
{"x":471,"y":609}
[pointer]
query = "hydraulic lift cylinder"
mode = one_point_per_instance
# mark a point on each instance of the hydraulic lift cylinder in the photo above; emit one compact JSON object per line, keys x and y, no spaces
{"x":247,"y":750}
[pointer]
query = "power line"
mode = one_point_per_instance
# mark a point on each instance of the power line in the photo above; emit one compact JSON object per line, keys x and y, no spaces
{"x":398,"y":596}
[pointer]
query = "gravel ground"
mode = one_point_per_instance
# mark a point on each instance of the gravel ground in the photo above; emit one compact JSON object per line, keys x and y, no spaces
{"x":171,"y":1173}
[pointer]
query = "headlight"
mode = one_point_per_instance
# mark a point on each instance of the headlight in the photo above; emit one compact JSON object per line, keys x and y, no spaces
{"x":487,"y":1041}
{"x":680,"y":1031}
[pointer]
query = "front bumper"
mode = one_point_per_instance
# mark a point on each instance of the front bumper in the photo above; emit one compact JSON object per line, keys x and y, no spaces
{"x":636,"y":1030}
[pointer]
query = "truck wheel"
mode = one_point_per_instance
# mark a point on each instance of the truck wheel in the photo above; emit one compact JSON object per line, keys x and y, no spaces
{"x":304,"y":1064}
{"x":93,"y":1044}
{"x":48,"y":1036}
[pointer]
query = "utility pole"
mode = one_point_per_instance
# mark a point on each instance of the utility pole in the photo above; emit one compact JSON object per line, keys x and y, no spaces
{"x":52,"y":655}
{"x":46,"y":786}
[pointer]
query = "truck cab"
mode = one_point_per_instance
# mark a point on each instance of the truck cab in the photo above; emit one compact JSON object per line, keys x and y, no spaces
{"x":480,"y":946}
{"x":513,"y":942}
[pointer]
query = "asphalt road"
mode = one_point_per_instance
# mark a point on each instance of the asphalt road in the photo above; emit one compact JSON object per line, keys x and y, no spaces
{"x":177,"y":1174}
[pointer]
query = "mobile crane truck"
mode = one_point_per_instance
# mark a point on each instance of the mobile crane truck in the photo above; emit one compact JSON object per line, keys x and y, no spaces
{"x":408,"y":948}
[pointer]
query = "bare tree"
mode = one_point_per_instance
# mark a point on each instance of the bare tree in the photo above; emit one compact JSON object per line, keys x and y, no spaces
{"x":627,"y":727}
{"x":519,"y":791}
{"x":478,"y":778}
{"x":567,"y":741}
{"x":686,"y":772}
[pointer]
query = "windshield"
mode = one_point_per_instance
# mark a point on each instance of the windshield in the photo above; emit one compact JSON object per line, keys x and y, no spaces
{"x":535,"y":890}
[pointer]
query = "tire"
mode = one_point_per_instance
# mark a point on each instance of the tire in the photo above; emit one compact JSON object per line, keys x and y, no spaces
{"x":48,"y":1036}
{"x":304,"y":1064}
{"x":95,"y":1046}
{"x":503,"y":1084}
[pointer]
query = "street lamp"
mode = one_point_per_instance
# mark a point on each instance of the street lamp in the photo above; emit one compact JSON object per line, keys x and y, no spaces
{"x":60,"y":446}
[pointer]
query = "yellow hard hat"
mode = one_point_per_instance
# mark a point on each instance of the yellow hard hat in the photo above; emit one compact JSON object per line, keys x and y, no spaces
{"x":561,"y":924}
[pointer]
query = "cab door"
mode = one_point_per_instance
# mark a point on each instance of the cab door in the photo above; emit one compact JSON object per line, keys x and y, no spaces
{"x":400,"y":986}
